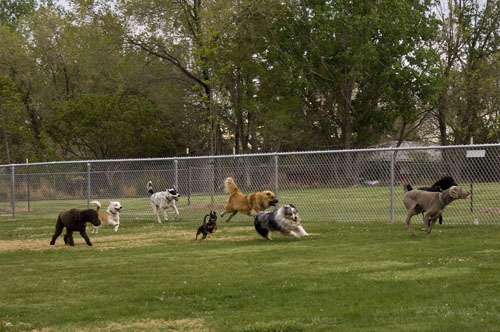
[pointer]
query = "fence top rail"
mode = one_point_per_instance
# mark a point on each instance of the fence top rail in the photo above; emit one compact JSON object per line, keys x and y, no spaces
{"x":251,"y":155}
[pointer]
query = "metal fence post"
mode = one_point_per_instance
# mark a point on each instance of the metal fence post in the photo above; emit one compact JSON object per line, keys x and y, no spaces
{"x":276,"y":175}
{"x":88,"y":185}
{"x":189,"y":184}
{"x":176,"y":174}
{"x":392,"y":184}
{"x":28,"y":185}
{"x":13,"y":191}
{"x":212,"y":184}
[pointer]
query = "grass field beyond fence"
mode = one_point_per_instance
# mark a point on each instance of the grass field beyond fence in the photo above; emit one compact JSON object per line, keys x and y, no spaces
{"x":344,"y":277}
{"x":352,"y":204}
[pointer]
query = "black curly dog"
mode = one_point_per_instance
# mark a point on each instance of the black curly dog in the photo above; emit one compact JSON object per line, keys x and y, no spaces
{"x":208,"y":227}
{"x":442,"y":184}
{"x":75,"y":220}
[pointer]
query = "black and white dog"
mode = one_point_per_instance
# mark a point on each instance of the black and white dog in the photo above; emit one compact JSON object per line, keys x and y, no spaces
{"x":163,"y":200}
{"x":442,"y":184}
{"x":285,"y":220}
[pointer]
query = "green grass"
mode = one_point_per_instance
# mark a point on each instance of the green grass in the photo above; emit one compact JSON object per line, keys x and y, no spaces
{"x":344,"y":277}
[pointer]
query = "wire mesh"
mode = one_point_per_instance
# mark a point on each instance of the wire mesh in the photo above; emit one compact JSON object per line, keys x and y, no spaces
{"x":342,"y":185}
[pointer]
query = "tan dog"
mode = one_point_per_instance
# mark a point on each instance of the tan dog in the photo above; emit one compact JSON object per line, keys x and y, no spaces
{"x":248,"y":204}
{"x":110,"y":217}
{"x":431,"y":204}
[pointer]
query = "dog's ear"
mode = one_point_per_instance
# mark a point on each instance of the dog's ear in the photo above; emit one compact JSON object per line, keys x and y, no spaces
{"x":293,"y":206}
{"x":454,"y":192}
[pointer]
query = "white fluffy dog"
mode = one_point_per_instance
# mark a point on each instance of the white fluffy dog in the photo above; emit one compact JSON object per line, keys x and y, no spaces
{"x":285,"y":220}
{"x":163,"y":200}
{"x":110,"y":217}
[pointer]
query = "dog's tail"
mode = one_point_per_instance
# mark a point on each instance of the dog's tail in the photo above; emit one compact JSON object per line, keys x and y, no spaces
{"x":149,"y":187}
{"x":408,"y":188}
{"x":97,"y":205}
{"x":231,"y":186}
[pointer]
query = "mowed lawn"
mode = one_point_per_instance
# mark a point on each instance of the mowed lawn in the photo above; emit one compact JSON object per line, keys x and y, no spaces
{"x":156,"y":277}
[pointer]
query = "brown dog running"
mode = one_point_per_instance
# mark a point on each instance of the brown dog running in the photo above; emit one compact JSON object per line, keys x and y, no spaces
{"x":248,"y":204}
{"x":431,"y":204}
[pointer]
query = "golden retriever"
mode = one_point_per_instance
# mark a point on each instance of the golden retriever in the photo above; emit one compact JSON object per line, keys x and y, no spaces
{"x":248,"y":204}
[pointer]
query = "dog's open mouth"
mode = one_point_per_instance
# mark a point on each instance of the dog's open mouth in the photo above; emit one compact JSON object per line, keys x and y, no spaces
{"x":273,"y":202}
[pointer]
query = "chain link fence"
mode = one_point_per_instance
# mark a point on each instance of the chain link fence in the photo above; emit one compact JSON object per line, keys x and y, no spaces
{"x":342,"y":185}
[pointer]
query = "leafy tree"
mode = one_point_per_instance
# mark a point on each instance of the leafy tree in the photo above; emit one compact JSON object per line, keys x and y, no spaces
{"x":177,"y":33}
{"x":12,"y":10}
{"x":14,"y":132}
{"x":97,"y":126}
{"x":354,"y":55}
{"x":469,"y":38}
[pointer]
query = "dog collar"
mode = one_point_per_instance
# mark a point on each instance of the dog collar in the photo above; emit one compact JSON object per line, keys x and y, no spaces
{"x":112,"y":212}
{"x":441,"y":199}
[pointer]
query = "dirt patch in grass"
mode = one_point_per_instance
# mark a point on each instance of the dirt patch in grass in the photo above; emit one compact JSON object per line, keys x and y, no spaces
{"x":152,"y":325}
{"x":490,"y":211}
{"x":150,"y":236}
{"x":13,"y":245}
{"x":111,"y":241}
{"x":157,"y":325}
{"x":8,"y":209}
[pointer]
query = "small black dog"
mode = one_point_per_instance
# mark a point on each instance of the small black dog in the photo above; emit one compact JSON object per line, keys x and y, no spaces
{"x":208,"y":227}
{"x":75,"y":220}
{"x":442,"y":184}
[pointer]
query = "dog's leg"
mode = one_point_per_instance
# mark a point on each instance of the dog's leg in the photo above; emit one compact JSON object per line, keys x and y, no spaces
{"x":115,"y":224}
{"x":232,"y":215}
{"x":58,"y":231}
{"x":174,"y":205}
{"x":70,"y":240}
{"x":86,"y":237}
{"x":165,"y":215}
{"x":426,"y":224}
{"x":433,"y":222}
{"x":408,"y":222}
{"x":155,"y":210}
{"x":295,"y":235}
{"x":427,"y":221}
{"x":302,"y":231}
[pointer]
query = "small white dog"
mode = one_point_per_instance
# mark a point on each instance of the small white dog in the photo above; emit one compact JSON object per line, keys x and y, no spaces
{"x":110,"y":217}
{"x":285,"y":220}
{"x":163,"y":200}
